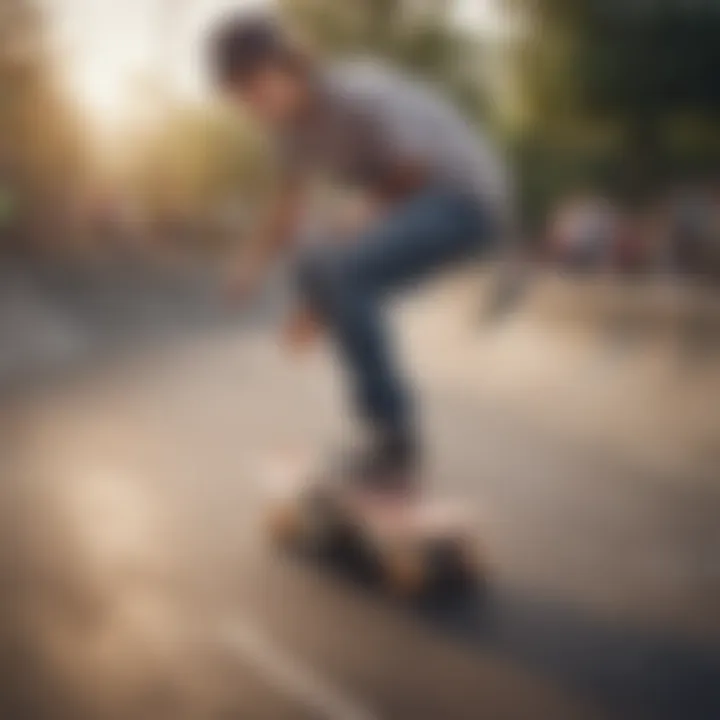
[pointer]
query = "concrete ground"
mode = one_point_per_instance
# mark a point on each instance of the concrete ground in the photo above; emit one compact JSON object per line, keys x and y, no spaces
{"x":138,"y":583}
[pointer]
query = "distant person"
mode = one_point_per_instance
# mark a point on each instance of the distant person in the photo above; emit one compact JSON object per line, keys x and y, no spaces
{"x":715,"y":234}
{"x":583,"y":232}
{"x":438,"y":194}
{"x":692,"y":232}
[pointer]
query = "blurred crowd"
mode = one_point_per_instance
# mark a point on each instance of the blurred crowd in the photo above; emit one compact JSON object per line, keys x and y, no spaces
{"x":677,"y":234}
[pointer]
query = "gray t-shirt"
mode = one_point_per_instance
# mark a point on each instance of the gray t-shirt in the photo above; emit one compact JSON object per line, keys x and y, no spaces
{"x":373,"y":118}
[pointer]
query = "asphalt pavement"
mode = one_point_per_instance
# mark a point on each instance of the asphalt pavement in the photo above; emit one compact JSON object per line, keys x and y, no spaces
{"x":138,"y":583}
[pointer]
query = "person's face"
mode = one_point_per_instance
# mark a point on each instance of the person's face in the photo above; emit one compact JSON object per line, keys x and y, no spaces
{"x":273,"y":95}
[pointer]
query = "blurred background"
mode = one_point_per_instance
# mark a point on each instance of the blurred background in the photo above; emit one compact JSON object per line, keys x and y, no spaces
{"x":579,"y":417}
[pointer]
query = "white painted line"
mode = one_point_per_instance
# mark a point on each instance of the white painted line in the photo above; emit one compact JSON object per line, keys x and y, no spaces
{"x":290,"y":676}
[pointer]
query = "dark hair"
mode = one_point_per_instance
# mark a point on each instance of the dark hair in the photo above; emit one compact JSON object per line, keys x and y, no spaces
{"x":241,"y":46}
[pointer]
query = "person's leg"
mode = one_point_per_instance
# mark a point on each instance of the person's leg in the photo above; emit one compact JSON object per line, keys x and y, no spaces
{"x":345,"y":285}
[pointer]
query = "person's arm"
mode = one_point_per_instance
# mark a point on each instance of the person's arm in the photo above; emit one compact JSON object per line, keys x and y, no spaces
{"x":401,"y":181}
{"x":275,"y":233}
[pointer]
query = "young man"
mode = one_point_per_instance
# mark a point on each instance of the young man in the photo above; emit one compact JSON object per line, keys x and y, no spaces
{"x":441,"y":196}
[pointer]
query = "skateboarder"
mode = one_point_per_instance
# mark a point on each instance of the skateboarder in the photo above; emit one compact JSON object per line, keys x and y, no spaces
{"x":440,"y":195}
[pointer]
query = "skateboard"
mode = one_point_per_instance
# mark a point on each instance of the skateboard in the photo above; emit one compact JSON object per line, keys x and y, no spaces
{"x":410,"y":545}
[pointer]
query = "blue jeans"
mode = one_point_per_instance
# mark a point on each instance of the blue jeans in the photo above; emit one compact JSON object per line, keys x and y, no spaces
{"x":346,"y":286}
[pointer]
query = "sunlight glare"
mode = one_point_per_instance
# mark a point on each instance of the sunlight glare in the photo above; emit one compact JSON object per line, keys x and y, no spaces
{"x":101,"y":90}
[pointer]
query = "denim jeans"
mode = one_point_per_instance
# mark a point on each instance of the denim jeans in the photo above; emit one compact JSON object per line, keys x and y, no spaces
{"x":347,"y":286}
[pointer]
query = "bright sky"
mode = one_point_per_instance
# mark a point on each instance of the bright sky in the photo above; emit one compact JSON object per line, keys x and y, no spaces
{"x":109,"y":44}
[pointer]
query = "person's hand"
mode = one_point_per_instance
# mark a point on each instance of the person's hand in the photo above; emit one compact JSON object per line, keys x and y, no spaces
{"x":356,"y":217}
{"x":301,"y":330}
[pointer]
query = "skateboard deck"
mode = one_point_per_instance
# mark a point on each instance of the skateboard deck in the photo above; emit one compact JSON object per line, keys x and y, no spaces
{"x":409,"y":544}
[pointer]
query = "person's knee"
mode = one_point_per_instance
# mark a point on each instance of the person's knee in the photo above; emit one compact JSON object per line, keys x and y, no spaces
{"x":321,"y":278}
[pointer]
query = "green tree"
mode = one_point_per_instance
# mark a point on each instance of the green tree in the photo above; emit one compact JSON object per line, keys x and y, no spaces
{"x":192,"y":161}
{"x":622,"y":87}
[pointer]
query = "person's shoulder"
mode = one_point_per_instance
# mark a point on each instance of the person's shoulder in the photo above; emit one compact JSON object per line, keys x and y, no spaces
{"x":365,"y":75}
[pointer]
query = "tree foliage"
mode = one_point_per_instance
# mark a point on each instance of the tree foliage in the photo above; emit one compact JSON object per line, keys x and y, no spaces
{"x":191,"y":159}
{"x":640,"y":73}
{"x":41,"y":148}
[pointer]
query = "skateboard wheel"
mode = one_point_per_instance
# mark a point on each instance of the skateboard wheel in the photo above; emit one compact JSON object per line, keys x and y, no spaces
{"x":461,"y":569}
{"x":303,"y":525}
{"x":284,"y":524}
{"x":472,"y":561}
{"x":405,"y":573}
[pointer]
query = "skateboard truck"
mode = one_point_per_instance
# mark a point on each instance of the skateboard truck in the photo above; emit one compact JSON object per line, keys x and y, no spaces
{"x":410,"y":545}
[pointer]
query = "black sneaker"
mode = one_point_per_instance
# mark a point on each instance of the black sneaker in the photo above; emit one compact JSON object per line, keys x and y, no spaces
{"x":388,"y":465}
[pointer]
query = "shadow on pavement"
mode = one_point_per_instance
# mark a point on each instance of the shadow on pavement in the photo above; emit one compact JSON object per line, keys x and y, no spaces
{"x":631,"y":672}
